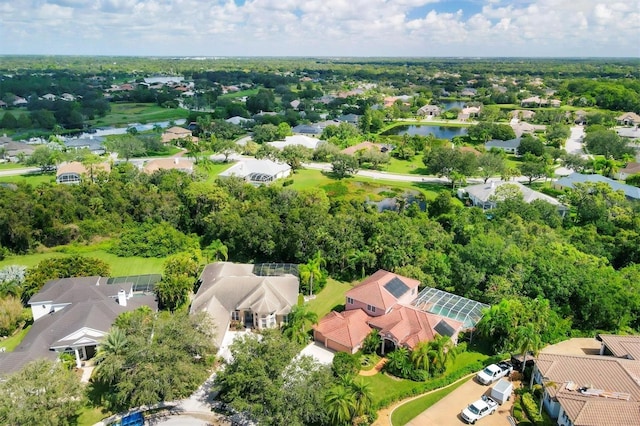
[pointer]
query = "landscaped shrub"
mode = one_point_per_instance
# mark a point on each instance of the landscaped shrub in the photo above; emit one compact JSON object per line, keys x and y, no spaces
{"x":531,"y":408}
{"x":345,"y":364}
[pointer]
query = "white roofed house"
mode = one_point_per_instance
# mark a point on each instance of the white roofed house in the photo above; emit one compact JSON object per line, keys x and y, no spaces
{"x":303,"y":140}
{"x":258,"y":172}
{"x":487,"y":195}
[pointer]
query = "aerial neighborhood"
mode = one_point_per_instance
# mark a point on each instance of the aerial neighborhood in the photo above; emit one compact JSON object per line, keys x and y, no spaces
{"x":298,"y":241}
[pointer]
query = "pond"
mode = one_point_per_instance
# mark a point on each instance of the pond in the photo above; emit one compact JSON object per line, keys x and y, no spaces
{"x":452,"y":104}
{"x":440,"y":132}
{"x":122,"y":130}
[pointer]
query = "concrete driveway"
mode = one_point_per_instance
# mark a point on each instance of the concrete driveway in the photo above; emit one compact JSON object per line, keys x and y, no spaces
{"x":446,"y":412}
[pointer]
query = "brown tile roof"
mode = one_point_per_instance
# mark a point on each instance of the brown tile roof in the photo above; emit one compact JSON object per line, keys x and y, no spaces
{"x":77,"y":167}
{"x":623,"y":346}
{"x":371,"y":291}
{"x":168,"y":163}
{"x":176,"y":132}
{"x":347,"y":328}
{"x":601,"y":412}
{"x":408,"y":326}
{"x":631,"y":169}
{"x":632,"y":116}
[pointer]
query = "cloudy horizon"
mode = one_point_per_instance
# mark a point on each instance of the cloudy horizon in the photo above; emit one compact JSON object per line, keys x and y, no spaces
{"x":327,"y":28}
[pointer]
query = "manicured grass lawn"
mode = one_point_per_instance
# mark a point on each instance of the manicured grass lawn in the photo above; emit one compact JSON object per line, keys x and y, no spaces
{"x":128,"y":113}
{"x":120,"y":266}
{"x":360,"y":187}
{"x":384,"y":386}
{"x":241,"y":93}
{"x":407,"y":412}
{"x":413,"y":166}
{"x":10,"y":166}
{"x":12,"y":342}
{"x":89,"y":416}
{"x":34,"y":179}
{"x":213,"y":169}
{"x":330,"y":297}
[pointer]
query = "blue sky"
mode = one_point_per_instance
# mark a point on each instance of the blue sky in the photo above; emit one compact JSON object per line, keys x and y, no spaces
{"x":550,"y":28}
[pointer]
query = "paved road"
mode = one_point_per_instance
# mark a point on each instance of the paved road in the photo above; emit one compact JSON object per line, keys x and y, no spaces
{"x":574,"y":143}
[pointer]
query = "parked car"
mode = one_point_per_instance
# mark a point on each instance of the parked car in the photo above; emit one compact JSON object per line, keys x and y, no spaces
{"x":502,"y":391}
{"x":479,"y":409}
{"x":493,"y":372}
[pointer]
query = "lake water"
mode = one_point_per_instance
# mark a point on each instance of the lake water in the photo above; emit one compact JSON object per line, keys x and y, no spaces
{"x":452,"y":104}
{"x":122,"y":130}
{"x":440,"y":132}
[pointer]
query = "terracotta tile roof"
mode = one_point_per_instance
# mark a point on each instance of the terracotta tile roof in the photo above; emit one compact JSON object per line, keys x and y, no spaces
{"x":601,"y":412}
{"x":79,"y":168}
{"x":169,"y":163}
{"x":371,"y":291}
{"x":614,"y":384}
{"x":622,"y":346}
{"x":631,"y":169}
{"x":361,"y":146}
{"x":347,"y":328}
{"x":408,"y":326}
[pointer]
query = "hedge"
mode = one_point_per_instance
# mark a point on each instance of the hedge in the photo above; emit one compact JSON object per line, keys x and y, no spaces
{"x":531,"y":408}
{"x":440,"y":382}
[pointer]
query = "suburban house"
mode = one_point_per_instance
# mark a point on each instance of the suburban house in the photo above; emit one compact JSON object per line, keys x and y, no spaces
{"x":73,"y":315}
{"x":629,"y":132}
{"x":534,"y":101}
{"x":631,"y":192}
{"x":174,"y":163}
{"x":603,"y":390}
{"x":510,"y":146}
{"x":630,"y":169}
{"x":303,"y":140}
{"x":74,"y":171}
{"x":429,"y":111}
{"x":386,"y":302}
{"x":307,"y":129}
{"x":177,"y":133}
{"x":235,"y":292}
{"x":522,"y":114}
{"x":484,"y":195}
{"x":348,"y":118}
{"x":628,"y":119}
{"x":257,"y":172}
{"x":469,"y":112}
{"x":14,"y":150}
{"x":237,"y":120}
{"x":93,"y":144}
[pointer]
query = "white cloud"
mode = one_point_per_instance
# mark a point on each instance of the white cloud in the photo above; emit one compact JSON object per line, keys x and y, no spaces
{"x":320,"y":27}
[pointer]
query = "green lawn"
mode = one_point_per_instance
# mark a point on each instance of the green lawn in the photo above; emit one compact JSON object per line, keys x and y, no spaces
{"x":34,"y":179}
{"x":10,"y":343}
{"x":407,"y":412}
{"x":213,"y":169}
{"x":414,"y":166}
{"x":10,"y":166}
{"x":361,"y":187}
{"x":122,"y":114}
{"x":120,"y":266}
{"x":384,"y":386}
{"x":89,"y":416}
{"x":330,"y":297}
{"x":241,"y":93}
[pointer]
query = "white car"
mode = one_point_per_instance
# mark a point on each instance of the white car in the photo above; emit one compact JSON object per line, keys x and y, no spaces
{"x":494,"y":372}
{"x":479,"y":409}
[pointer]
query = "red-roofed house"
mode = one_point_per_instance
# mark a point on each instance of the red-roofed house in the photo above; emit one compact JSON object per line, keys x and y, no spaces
{"x":406,"y":326}
{"x":377,"y":294}
{"x":382,"y":302}
{"x":342,"y":331}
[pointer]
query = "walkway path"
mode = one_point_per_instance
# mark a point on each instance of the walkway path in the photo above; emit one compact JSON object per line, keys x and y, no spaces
{"x":375,"y":370}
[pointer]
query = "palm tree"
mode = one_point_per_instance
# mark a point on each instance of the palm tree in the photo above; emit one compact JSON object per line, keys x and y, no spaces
{"x":296,"y":328}
{"x":364,"y":258}
{"x":362,"y":396}
{"x":420,"y":356}
{"x":528,"y":340}
{"x":312,"y":270}
{"x":399,"y":362}
{"x":110,"y":359}
{"x":215,"y":249}
{"x":340,"y":405}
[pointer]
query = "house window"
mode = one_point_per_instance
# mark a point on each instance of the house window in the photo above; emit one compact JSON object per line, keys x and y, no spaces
{"x":371,"y":308}
{"x":349,"y":301}
{"x":235,"y":316}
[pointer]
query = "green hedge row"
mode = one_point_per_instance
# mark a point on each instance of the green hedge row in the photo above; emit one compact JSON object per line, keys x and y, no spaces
{"x":439,"y":382}
{"x":531,"y":408}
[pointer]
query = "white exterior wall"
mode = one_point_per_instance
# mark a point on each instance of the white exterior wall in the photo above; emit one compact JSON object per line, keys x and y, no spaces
{"x":38,"y":310}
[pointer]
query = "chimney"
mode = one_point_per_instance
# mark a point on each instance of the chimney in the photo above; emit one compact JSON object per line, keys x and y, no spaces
{"x":122,"y":298}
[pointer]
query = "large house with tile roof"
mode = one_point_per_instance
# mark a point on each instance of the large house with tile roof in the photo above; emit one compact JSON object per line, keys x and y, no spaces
{"x":73,"y":315}
{"x":382,"y":302}
{"x":593,"y":389}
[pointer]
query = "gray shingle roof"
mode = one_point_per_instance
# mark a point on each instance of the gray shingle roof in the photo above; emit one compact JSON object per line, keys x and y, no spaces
{"x":572,"y":179}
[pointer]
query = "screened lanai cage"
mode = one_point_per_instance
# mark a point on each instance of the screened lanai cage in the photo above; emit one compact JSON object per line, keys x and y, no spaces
{"x":260,"y":178}
{"x":141,"y":283}
{"x":275,"y":269}
{"x":467,"y":311}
